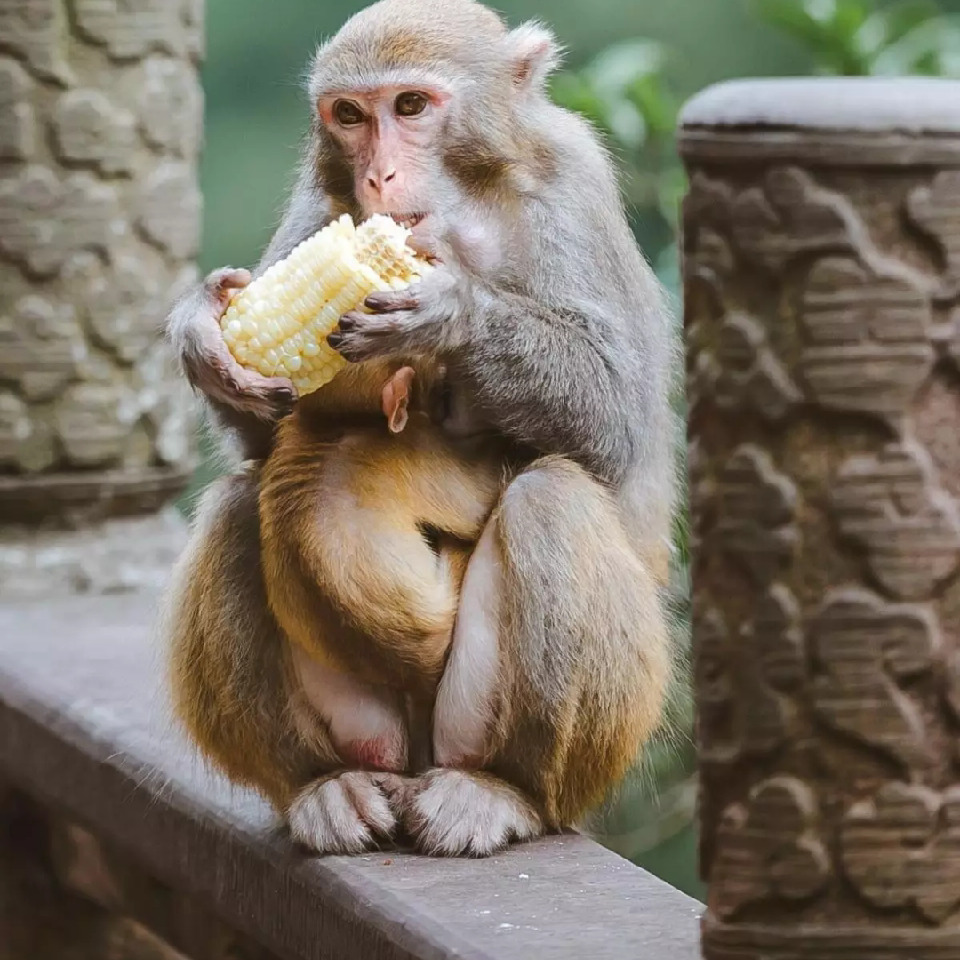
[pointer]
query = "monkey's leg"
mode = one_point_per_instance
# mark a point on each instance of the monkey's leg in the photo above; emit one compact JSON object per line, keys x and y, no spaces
{"x":558,"y":670}
{"x":239,"y":697}
{"x":227,"y":653}
{"x":351,"y":574}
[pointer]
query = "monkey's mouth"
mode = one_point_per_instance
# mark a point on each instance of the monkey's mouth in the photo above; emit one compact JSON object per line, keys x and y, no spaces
{"x":408,"y":220}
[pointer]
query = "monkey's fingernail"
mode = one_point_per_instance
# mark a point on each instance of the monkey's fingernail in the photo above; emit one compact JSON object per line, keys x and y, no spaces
{"x":346,"y":322}
{"x":376,"y":301}
{"x":334,"y":339}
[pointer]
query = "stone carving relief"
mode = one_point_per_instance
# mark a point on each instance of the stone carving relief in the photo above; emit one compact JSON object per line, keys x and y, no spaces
{"x":827,"y":566}
{"x":769,"y":848}
{"x":891,"y":506}
{"x":167,"y":412}
{"x":130,"y":28}
{"x":785,"y":216}
{"x":44,"y":219}
{"x":17,"y":117}
{"x":122,"y":306}
{"x":864,"y":649}
{"x":91,"y":131}
{"x":766,"y":672}
{"x":26,"y":443}
{"x":41,"y":344}
{"x":93,"y":422}
{"x":91,"y":93}
{"x":756,"y":505}
{"x":902,"y":849}
{"x":170,"y":107}
{"x":742,"y":372}
{"x":170,"y":209}
{"x":866,"y":338}
{"x":935,"y":208}
{"x":36,"y":30}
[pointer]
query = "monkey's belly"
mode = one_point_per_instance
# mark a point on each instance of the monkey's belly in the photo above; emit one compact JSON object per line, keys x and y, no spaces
{"x":366,"y":723}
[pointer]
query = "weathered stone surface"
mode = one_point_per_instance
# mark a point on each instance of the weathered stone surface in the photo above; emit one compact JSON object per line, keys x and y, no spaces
{"x":89,"y":130}
{"x":35,"y":30}
{"x":99,"y":220}
{"x":890,"y":504}
{"x":26,"y":443}
{"x":866,"y":338}
{"x":820,"y":244}
{"x":95,"y":739}
{"x":45,"y":217}
{"x":130,"y":28}
{"x":118,"y":555}
{"x":901,"y":848}
{"x":171,"y":107}
{"x":773,"y":848}
{"x":41,"y":344}
{"x":93,"y":421}
{"x":866,"y":651}
{"x":757,"y":507}
{"x":170,"y":209}
{"x":123,"y":304}
{"x":17,"y":119}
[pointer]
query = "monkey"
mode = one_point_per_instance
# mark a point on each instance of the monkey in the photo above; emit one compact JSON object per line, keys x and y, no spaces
{"x":553,"y":331}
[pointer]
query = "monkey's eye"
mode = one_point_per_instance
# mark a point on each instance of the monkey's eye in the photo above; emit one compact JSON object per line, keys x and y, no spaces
{"x":348,"y":114}
{"x":410,"y":104}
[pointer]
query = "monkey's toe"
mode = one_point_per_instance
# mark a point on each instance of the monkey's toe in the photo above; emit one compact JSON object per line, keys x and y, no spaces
{"x":457,"y":813}
{"x":344,"y":813}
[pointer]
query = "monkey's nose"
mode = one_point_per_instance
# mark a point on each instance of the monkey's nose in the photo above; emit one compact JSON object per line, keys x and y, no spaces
{"x":377,"y":182}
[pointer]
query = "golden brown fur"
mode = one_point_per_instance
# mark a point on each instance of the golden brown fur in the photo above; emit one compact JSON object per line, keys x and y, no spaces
{"x":365,"y":537}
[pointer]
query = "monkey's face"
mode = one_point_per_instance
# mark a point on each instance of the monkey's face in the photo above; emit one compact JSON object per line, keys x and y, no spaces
{"x":389,"y":136}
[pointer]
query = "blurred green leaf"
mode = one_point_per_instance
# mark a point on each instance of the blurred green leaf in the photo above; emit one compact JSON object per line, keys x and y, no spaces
{"x":888,"y":26}
{"x":931,"y":48}
{"x":851,"y":37}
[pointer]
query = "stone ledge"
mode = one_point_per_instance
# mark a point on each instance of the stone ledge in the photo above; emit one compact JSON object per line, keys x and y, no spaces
{"x":910,"y":105}
{"x":83,"y":728}
{"x":837,"y":121}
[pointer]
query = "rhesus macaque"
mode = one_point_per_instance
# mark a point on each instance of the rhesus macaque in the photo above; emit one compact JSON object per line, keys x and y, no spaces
{"x":553,"y":333}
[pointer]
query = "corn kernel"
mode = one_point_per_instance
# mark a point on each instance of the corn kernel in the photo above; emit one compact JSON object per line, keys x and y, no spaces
{"x":278,"y":325}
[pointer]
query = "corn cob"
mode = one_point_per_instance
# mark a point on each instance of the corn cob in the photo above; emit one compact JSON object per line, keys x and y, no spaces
{"x":278,"y":325}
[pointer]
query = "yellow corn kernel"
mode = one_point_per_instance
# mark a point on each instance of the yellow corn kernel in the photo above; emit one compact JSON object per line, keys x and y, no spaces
{"x":278,"y":325}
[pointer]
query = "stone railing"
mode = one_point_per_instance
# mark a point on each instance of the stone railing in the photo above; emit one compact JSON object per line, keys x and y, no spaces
{"x":822,"y":269}
{"x":128,"y":844}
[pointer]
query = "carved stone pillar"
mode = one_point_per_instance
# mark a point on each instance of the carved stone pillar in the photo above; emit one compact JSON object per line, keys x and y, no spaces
{"x":822,"y":273}
{"x":100,"y":119}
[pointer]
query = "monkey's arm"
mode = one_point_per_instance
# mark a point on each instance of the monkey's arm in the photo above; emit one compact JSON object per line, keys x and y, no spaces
{"x":563,"y":380}
{"x":243,"y":403}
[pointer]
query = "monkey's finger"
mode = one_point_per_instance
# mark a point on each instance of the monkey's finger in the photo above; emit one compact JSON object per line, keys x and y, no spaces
{"x":221,"y":284}
{"x":387,"y":302}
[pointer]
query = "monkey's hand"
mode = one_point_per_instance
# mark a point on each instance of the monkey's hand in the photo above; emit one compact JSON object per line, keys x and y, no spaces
{"x":423,"y":320}
{"x":194,"y":330}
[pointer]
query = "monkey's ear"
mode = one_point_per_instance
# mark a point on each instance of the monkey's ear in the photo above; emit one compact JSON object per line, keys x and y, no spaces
{"x":533,"y":52}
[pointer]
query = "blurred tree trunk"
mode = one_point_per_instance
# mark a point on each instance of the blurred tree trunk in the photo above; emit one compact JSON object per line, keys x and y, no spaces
{"x":100,"y":121}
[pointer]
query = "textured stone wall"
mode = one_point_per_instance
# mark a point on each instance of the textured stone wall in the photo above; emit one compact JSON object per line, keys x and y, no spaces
{"x":822,"y":283}
{"x":65,"y":896}
{"x":100,"y":125}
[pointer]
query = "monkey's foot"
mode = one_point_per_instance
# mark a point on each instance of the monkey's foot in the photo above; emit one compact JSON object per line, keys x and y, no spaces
{"x":342,"y":813}
{"x":452,"y":813}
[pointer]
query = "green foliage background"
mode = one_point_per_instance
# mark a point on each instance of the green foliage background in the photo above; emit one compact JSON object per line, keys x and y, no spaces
{"x":630,"y":65}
